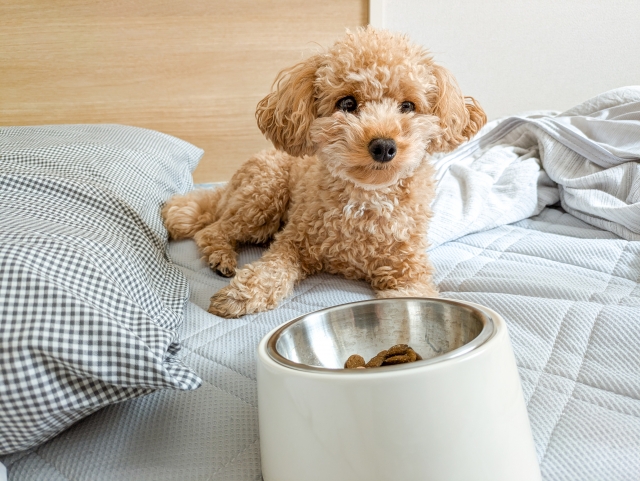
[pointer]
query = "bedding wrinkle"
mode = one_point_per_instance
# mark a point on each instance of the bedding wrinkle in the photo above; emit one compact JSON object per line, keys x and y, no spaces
{"x":588,"y":159}
{"x":216,"y":386}
{"x":630,"y":412}
{"x":611,"y":276}
{"x":586,"y":347}
{"x":541,"y":440}
{"x":236,"y":456}
{"x":502,"y":251}
{"x":51,"y":465}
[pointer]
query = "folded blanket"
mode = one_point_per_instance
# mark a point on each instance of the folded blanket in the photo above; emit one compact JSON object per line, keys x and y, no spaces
{"x":587,"y":158}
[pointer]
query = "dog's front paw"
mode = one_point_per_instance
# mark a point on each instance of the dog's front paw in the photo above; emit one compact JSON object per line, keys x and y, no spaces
{"x":428,"y":290}
{"x":231,"y":302}
{"x":223,"y":305}
{"x":223,"y":262}
{"x":257,"y":287}
{"x":218,"y":251}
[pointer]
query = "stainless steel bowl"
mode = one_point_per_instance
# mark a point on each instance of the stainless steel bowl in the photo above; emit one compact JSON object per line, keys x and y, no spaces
{"x":437,"y":329}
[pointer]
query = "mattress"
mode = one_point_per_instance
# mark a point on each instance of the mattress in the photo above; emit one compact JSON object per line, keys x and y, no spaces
{"x":570,"y":295}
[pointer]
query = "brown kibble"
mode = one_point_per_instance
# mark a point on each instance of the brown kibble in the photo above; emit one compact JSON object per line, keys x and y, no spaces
{"x":413,"y":357}
{"x":398,"y":354}
{"x":396,"y":360}
{"x":377,"y":360}
{"x":398,"y":350}
{"x":355,"y":361}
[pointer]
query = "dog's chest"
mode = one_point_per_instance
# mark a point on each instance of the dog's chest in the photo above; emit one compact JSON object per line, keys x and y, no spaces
{"x":356,"y":235}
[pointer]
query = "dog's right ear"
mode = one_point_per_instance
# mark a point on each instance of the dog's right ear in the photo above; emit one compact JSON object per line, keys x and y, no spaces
{"x":285,"y":115}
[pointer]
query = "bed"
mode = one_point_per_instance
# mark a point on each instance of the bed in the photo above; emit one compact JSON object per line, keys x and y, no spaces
{"x":556,"y":252}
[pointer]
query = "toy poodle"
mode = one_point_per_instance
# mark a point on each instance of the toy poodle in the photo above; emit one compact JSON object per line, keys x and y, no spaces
{"x":347,"y":188}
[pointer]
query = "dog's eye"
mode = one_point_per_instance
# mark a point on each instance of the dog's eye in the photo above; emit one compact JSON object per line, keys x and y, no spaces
{"x":347,"y":104}
{"x":406,"y":107}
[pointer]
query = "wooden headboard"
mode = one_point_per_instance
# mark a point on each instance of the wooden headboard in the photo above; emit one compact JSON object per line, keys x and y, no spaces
{"x":194,"y":69}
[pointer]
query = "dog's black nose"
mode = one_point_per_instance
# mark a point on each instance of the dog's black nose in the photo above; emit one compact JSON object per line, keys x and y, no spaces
{"x":382,"y":150}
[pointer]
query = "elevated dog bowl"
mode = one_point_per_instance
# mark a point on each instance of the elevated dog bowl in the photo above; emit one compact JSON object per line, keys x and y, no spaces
{"x":458,"y":414}
{"x":323,"y":340}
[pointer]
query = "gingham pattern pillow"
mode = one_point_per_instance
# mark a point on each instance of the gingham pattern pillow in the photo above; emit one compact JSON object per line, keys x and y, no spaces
{"x":89,"y":302}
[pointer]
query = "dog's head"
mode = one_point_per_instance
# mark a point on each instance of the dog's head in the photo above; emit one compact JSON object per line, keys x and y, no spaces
{"x":371,"y":107}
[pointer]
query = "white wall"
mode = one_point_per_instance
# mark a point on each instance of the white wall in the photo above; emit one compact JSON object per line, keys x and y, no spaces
{"x":518,"y":55}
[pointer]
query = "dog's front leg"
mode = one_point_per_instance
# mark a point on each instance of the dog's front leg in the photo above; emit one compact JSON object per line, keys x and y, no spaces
{"x":416,"y":289}
{"x":410,"y":278}
{"x":261,"y":285}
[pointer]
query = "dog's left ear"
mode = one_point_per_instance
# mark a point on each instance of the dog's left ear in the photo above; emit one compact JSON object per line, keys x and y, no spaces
{"x":285,"y":115}
{"x":460,"y":117}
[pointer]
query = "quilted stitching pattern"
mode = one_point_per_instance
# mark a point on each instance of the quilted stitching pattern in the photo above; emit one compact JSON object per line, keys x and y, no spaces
{"x":570,"y":296}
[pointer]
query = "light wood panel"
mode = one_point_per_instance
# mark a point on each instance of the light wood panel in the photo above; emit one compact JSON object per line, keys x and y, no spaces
{"x":194,"y":69}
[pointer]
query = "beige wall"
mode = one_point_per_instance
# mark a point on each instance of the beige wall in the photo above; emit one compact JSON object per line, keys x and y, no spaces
{"x":194,"y":69}
{"x":522,"y":54}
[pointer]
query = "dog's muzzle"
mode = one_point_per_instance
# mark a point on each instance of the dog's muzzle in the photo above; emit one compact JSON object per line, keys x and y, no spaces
{"x":383,"y":150}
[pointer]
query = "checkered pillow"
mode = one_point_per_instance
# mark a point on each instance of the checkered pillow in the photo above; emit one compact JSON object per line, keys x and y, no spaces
{"x":89,"y":302}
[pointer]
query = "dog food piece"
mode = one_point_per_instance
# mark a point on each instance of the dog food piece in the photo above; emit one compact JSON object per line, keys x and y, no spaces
{"x":398,"y":354}
{"x":408,"y":355}
{"x":354,"y":362}
{"x":377,"y":360}
{"x":413,"y":356}
{"x":401,"y":359}
{"x":398,"y":350}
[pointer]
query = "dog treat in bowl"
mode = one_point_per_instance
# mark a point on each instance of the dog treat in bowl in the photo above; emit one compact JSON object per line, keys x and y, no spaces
{"x":355,"y":361}
{"x":398,"y":354}
{"x":377,"y":360}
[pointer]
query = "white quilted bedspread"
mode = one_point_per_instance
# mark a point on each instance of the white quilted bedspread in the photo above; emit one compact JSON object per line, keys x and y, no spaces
{"x":569,"y":292}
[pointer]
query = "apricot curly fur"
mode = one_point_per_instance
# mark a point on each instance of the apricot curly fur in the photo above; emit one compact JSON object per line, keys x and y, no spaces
{"x":324,"y":201}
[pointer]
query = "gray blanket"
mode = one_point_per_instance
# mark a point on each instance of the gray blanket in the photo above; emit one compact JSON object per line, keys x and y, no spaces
{"x":586,"y":158}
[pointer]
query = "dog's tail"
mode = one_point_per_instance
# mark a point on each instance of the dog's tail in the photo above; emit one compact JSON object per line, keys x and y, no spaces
{"x":184,"y":215}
